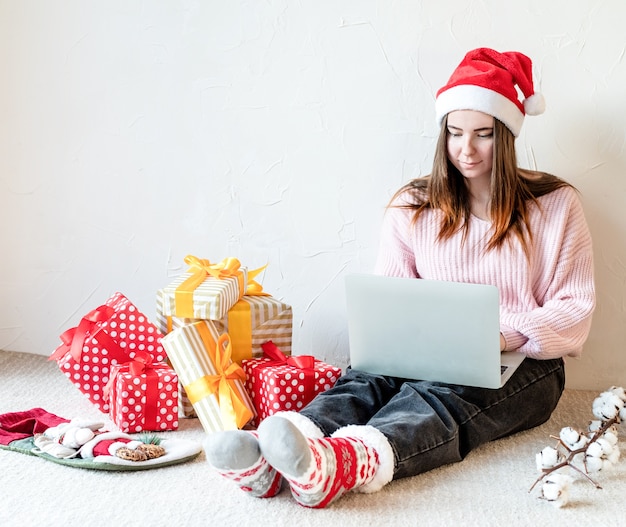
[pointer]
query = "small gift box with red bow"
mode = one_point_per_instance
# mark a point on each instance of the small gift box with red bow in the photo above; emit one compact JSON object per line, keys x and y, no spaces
{"x":143,"y":395}
{"x":206,"y":291}
{"x":213,"y":382}
{"x":110,"y":334}
{"x":277,"y":382}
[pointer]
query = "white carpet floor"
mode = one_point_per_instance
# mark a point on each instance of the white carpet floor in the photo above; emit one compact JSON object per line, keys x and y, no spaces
{"x":489,"y":488}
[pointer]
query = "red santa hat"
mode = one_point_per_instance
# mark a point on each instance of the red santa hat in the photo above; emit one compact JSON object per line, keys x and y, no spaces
{"x":492,"y":82}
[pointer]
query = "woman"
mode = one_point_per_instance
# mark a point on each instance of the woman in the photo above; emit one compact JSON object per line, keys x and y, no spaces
{"x":477,"y":218}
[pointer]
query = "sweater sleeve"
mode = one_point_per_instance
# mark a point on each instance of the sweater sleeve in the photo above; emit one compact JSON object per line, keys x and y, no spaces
{"x":560,"y":324}
{"x":395,"y":254}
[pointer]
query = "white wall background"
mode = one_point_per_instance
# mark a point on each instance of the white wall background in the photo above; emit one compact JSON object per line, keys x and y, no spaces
{"x":133,"y":133}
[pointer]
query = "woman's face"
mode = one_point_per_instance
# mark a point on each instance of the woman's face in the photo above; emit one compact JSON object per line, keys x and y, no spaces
{"x":470,"y":143}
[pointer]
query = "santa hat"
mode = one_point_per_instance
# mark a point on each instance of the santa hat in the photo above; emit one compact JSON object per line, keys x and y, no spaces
{"x":490,"y":82}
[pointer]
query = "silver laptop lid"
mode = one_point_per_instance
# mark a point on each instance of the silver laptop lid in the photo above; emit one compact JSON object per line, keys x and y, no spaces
{"x":424,"y":329}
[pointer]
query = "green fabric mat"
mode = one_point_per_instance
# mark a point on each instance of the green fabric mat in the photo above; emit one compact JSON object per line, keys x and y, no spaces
{"x":27,"y":446}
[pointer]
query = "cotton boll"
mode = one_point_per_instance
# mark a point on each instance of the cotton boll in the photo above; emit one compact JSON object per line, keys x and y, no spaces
{"x":568,"y":435}
{"x":605,"y":411}
{"x":614,"y":456}
{"x":613,"y":430}
{"x":609,"y":398}
{"x":539,"y":462}
{"x":619,"y":391}
{"x":595,"y":450}
{"x":606,"y":446}
{"x":556,"y":489}
{"x":572,"y":438}
{"x":595,"y":458}
{"x":551,"y":491}
{"x":605,"y":398}
{"x":547,"y":458}
{"x":594,"y":426}
{"x":610,"y":437}
{"x":594,"y":464}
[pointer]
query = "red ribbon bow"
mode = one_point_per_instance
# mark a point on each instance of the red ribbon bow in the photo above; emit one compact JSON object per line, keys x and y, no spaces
{"x":272,"y":351}
{"x":305,"y":363}
{"x":139,"y":364}
{"x":74,"y":338}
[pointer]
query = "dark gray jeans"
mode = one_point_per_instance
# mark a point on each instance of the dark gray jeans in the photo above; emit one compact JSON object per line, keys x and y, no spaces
{"x":430,"y":424}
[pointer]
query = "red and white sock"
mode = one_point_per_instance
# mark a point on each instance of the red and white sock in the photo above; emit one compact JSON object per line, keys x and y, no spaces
{"x":235,"y":454}
{"x":320,"y":470}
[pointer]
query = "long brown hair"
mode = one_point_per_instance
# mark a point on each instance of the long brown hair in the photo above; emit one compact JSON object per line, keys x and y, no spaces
{"x":513,"y":190}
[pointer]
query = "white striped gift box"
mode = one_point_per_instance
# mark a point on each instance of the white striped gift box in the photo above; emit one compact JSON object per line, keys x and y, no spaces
{"x":211,"y":299}
{"x":253,"y":321}
{"x":269,"y":319}
{"x":191,"y":350}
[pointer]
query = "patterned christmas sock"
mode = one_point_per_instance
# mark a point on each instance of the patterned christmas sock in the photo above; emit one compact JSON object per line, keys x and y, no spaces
{"x":235,"y":454}
{"x":319,"y":470}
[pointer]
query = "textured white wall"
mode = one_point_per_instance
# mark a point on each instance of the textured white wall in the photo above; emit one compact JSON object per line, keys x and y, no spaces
{"x":133,"y":133}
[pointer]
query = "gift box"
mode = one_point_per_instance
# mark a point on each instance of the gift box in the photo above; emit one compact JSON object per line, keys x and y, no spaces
{"x":277,"y":382}
{"x":110,"y":334}
{"x":213,"y":382}
{"x":255,"y":320}
{"x":206,"y":291}
{"x":251,"y":322}
{"x":143,"y":395}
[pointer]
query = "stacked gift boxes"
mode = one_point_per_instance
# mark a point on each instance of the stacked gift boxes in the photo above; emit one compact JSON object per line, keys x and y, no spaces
{"x":108,"y":340}
{"x":252,"y":321}
{"x":226,"y":296}
{"x":215,"y":318}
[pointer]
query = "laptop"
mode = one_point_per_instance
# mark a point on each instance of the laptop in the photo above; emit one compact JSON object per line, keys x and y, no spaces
{"x":427,"y":330}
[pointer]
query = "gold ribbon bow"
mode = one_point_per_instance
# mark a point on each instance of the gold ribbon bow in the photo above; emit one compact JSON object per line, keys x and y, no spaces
{"x":234,"y":412}
{"x":253,"y":288}
{"x":201,"y":269}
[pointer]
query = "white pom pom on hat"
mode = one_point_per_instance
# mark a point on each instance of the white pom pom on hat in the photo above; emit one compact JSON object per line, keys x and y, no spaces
{"x":535,"y":104}
{"x":490,"y":82}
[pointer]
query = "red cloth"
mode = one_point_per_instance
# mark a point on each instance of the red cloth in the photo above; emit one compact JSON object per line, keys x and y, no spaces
{"x":20,"y":425}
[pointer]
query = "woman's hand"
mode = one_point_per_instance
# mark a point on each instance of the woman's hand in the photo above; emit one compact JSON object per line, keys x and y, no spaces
{"x":502,"y":342}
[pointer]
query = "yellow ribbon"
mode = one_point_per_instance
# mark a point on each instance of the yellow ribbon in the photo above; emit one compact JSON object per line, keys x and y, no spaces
{"x":201,"y":269}
{"x":253,"y":288}
{"x":240,"y":330}
{"x":233,"y":409}
{"x":240,"y":319}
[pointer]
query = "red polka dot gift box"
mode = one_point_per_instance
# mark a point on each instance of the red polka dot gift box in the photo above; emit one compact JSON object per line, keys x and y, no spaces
{"x":276,"y":382}
{"x":113,"y":333}
{"x":143,"y":395}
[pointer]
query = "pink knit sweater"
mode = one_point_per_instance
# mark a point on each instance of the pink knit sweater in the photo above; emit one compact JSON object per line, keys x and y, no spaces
{"x":545,"y":303}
